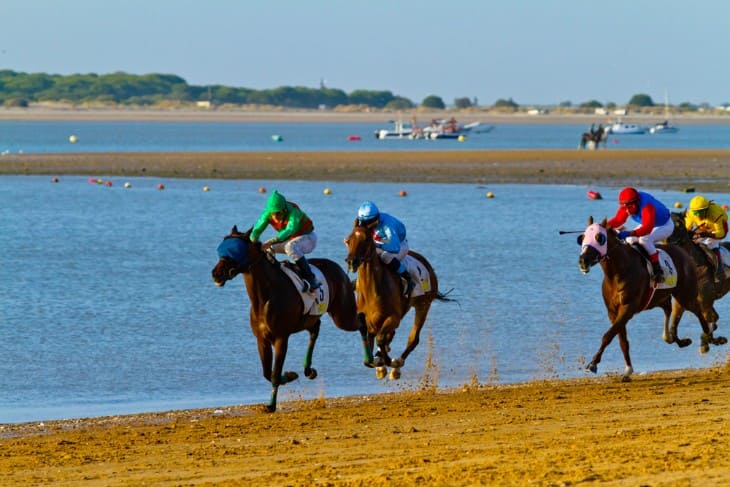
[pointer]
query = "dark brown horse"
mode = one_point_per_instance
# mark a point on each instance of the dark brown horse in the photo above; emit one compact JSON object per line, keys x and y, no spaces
{"x":709,"y":292}
{"x":628,"y":289}
{"x":593,"y":138}
{"x":381,"y":301}
{"x":277,"y":310}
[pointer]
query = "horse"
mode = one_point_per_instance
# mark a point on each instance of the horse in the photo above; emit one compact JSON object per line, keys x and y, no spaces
{"x":628,"y":288}
{"x":381,"y":302}
{"x":709,"y":292}
{"x":277,"y":310}
{"x":593,"y":138}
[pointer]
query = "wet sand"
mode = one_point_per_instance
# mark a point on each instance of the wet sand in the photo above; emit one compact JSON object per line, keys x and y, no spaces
{"x":703,"y":170}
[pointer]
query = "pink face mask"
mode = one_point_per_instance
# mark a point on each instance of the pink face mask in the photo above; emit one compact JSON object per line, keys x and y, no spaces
{"x":595,"y":236}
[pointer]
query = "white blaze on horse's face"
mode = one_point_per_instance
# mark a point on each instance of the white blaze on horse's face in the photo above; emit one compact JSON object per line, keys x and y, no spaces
{"x":595,"y":236}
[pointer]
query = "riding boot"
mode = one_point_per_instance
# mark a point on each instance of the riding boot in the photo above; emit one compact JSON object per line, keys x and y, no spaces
{"x":657,"y":269}
{"x":308,"y":275}
{"x":405,"y":276}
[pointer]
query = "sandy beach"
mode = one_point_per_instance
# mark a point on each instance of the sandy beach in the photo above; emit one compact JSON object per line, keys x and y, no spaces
{"x":668,"y":428}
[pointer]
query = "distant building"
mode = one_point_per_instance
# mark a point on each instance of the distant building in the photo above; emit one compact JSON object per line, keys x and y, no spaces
{"x":203,"y":104}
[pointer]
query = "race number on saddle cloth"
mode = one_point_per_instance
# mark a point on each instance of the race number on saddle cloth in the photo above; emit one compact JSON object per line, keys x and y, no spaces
{"x":315,"y":301}
{"x":595,"y":236}
{"x":420,"y":275}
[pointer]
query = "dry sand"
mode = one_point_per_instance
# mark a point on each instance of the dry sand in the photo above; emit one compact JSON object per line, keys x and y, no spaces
{"x":670,"y":428}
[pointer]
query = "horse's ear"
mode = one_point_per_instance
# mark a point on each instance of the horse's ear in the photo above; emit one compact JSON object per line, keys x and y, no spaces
{"x":354,"y":223}
{"x":604,"y":221}
{"x":590,"y":220}
{"x":234,"y":230}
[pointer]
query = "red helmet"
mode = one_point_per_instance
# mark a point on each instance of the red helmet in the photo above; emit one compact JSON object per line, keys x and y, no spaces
{"x":628,"y":195}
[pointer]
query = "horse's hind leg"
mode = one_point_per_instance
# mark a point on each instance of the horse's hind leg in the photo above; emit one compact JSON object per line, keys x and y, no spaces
{"x":367,"y":341}
{"x":670,"y":334}
{"x":309,"y":371}
{"x":605,"y":341}
{"x":415,"y":336}
{"x":623,"y":341}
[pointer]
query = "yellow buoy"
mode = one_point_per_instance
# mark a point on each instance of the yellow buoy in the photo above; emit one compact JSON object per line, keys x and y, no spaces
{"x":461,"y":138}
{"x":127,"y":185}
{"x":206,"y":188}
{"x":678,"y":204}
{"x":73,"y":139}
{"x":490,"y":195}
{"x":327,"y":191}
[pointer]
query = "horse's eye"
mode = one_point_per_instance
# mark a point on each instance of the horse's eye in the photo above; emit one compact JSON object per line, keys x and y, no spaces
{"x":601,"y":238}
{"x":580,"y":239}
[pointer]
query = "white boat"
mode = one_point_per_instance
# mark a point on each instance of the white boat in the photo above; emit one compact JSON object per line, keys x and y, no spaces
{"x":663,"y":128}
{"x":400,"y":130}
{"x":451,"y":129}
{"x":622,"y":128}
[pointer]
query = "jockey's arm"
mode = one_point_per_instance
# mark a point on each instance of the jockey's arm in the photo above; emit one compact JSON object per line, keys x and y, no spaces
{"x":648,"y":220}
{"x":619,"y":218}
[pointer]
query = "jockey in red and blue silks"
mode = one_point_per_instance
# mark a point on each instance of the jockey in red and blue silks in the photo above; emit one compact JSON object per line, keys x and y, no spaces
{"x":655,"y":223}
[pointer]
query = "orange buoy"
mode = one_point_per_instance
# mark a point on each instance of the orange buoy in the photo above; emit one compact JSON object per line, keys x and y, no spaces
{"x":109,"y":184}
{"x":54,"y":180}
{"x":160,"y":186}
{"x":403,"y":192}
{"x":594,"y":195}
{"x":262,"y":189}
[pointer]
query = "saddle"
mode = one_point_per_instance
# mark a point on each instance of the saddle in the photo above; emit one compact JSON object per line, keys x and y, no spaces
{"x":665,"y":263}
{"x":315,"y":303}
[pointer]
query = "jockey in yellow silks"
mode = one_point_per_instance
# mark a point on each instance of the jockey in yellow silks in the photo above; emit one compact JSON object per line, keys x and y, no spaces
{"x":709,"y":222}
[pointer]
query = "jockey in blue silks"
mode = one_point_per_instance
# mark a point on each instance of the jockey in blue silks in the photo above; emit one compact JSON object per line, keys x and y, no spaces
{"x":389,"y":235}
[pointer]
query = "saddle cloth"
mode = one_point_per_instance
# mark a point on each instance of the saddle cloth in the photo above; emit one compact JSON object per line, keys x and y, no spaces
{"x":315,"y":302}
{"x":668,"y":268}
{"x":420,"y":275}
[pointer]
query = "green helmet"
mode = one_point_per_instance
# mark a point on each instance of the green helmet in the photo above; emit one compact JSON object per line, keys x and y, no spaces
{"x":275,"y":203}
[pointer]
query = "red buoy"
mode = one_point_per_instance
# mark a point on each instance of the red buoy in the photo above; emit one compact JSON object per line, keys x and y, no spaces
{"x":594,"y":195}
{"x":353,"y":138}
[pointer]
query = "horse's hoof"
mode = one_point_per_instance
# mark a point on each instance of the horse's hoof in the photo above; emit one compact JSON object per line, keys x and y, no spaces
{"x":394,"y":374}
{"x":592,"y":368}
{"x":381,"y":372}
{"x":310,"y":373}
{"x":625,"y":378}
{"x":684,"y":342}
{"x":270,"y":408}
{"x":370,"y":364}
{"x":720,"y":341}
{"x":379,"y":362}
{"x":288,"y":376}
{"x":397,"y":363}
{"x":704,"y":348}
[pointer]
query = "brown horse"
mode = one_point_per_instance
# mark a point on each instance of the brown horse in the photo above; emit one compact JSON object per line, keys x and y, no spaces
{"x":381,"y":301}
{"x":708,"y":291}
{"x":628,"y":289}
{"x":277,"y":310}
{"x":593,"y":138}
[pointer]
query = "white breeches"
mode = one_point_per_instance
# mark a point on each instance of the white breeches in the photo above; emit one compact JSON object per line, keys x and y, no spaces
{"x":711,"y":243}
{"x":656,"y":235}
{"x":387,"y":257}
{"x":296,"y":247}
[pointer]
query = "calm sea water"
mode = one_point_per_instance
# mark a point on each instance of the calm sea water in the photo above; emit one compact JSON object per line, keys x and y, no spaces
{"x":108,"y":306}
{"x":42,"y":137}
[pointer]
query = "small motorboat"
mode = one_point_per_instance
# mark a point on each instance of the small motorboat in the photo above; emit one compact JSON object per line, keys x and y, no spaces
{"x":622,"y":128}
{"x":594,"y":195}
{"x":663,"y":128}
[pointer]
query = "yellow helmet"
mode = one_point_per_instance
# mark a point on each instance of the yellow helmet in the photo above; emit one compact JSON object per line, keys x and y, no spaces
{"x":699,"y":203}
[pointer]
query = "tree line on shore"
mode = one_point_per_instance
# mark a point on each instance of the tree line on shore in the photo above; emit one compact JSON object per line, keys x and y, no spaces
{"x":19,"y":89}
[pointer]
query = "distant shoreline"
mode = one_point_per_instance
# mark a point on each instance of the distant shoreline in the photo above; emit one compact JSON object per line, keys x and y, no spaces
{"x":328,"y":116}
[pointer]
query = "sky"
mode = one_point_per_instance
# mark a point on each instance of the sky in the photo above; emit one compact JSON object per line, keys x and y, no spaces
{"x":536,"y":52}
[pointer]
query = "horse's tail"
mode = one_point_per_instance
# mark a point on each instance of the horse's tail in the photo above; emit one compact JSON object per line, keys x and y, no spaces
{"x":445,"y":296}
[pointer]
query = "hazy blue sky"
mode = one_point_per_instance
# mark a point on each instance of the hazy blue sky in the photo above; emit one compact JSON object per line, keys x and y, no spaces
{"x":534,"y":51}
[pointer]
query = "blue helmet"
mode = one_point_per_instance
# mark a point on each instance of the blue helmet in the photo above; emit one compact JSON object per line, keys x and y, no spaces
{"x":367,"y":212}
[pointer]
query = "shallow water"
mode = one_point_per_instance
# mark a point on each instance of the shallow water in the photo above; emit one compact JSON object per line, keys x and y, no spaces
{"x":44,"y":137}
{"x":108,"y":305}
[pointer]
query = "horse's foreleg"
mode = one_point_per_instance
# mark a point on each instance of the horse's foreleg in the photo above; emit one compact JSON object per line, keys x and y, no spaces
{"x":605,"y":340}
{"x":623,"y":341}
{"x":265,"y":356}
{"x":281,"y":344}
{"x":367,"y":341}
{"x":309,"y":371}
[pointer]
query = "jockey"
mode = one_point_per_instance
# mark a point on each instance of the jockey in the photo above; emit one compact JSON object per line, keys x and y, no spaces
{"x":710,"y":221}
{"x":389,"y":235}
{"x":655,"y":223}
{"x":295,"y":235}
